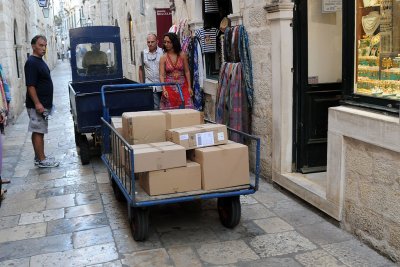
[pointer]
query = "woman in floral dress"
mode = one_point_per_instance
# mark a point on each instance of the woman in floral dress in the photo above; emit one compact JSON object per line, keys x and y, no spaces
{"x":174,"y":68}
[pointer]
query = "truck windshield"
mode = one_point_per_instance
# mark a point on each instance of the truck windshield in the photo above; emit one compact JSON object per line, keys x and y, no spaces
{"x":96,"y":59}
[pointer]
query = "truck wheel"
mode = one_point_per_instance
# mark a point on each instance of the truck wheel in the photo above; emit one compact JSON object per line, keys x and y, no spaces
{"x":84,"y":149}
{"x":140,"y":224}
{"x":229,"y":211}
{"x":119,"y":196}
{"x":77,"y":135}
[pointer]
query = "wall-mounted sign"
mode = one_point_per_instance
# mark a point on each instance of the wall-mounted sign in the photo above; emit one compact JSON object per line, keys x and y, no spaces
{"x":43,"y":3}
{"x":163,"y":22}
{"x":329,"y":6}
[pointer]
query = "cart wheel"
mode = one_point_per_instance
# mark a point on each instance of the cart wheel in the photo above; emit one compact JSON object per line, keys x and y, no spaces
{"x":140,"y":224}
{"x":77,"y":135}
{"x":119,"y":196}
{"x":84,"y":149}
{"x":229,"y":211}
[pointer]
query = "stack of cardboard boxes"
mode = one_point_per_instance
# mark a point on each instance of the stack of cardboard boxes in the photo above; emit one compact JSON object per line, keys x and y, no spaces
{"x":174,"y":151}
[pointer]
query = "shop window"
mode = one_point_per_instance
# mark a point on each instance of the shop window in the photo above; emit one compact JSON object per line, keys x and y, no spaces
{"x":213,"y":12}
{"x":375,"y":79}
{"x":131,"y":40}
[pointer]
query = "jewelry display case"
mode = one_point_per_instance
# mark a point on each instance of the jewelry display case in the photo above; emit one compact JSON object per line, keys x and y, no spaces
{"x":377,"y":71}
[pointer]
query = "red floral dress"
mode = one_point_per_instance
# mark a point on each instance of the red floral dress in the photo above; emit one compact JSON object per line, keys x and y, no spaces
{"x":175,"y":73}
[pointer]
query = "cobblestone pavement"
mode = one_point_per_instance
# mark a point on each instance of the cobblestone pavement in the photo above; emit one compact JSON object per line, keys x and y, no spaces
{"x":68,"y":216}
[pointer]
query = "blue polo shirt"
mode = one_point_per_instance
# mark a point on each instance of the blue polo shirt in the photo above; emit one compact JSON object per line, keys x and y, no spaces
{"x":37,"y":74}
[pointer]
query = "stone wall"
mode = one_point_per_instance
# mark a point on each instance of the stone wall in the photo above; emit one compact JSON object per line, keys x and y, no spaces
{"x":255,"y":21}
{"x":372,"y":196}
{"x":18,"y":14}
{"x":142,"y":25}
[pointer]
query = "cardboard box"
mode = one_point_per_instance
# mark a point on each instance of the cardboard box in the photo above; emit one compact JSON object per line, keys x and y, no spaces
{"x":177,"y":118}
{"x":171,"y":181}
{"x":198,"y":136}
{"x":116,"y":122}
{"x":144,"y":127}
{"x":156,"y":156}
{"x":223,"y":166}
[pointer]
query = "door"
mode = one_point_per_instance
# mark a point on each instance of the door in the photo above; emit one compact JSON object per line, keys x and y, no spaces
{"x":317,"y":79}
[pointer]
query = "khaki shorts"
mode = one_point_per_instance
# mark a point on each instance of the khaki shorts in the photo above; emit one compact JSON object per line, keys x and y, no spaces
{"x":37,"y":124}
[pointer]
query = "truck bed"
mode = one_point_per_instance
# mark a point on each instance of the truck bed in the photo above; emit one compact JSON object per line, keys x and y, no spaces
{"x":86,"y":106}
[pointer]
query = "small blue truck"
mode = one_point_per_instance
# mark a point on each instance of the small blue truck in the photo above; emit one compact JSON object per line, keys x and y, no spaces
{"x":96,"y":60}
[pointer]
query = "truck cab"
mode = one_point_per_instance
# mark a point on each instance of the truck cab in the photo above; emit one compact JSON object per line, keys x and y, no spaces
{"x":95,"y":53}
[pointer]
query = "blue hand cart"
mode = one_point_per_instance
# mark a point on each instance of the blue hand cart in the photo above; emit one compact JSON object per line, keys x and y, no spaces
{"x":117,"y":155}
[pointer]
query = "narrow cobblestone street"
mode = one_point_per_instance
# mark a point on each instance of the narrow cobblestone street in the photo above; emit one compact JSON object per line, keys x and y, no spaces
{"x":68,"y":216}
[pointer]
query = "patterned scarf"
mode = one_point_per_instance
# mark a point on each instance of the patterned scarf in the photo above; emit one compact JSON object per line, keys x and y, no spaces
{"x":231,"y":104}
{"x":245,"y":58}
{"x":198,"y":93}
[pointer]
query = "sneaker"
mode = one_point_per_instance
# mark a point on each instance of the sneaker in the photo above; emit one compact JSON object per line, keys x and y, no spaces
{"x":36,"y":160}
{"x":48,"y":163}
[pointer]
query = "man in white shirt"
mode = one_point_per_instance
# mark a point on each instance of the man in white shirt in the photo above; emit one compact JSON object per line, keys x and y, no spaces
{"x":149,"y":68}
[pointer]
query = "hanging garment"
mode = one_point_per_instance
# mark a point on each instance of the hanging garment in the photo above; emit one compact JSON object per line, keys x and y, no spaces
{"x":3,"y":100}
{"x":231,"y":104}
{"x":208,"y":39}
{"x":227,"y":44}
{"x":197,"y":88}
{"x":222,"y":42}
{"x":235,"y":45}
{"x":3,"y":107}
{"x":173,"y":28}
{"x":174,"y":73}
{"x":200,"y":62}
{"x":211,"y":6}
{"x":185,"y":41}
{"x":245,"y":58}
{"x":5,"y":84}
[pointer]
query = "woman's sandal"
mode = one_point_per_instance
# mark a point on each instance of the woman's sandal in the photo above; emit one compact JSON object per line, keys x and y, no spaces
{"x":5,"y":181}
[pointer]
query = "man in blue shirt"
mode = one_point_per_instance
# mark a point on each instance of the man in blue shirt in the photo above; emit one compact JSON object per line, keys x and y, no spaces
{"x":39,"y":99}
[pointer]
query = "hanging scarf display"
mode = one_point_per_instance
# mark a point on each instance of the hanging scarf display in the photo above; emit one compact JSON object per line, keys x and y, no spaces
{"x":236,"y":49}
{"x":231,"y":102}
{"x":235,"y":92}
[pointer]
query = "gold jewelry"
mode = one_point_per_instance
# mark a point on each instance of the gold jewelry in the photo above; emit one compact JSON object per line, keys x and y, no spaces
{"x":370,"y":22}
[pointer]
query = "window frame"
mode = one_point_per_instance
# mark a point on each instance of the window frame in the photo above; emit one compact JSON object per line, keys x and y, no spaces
{"x":349,"y":44}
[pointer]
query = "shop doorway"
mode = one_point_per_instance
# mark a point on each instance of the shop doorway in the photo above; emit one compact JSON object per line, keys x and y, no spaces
{"x":317,"y":79}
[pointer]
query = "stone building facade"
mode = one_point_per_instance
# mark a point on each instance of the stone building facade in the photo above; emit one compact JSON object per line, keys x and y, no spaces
{"x":136,"y":19}
{"x":360,"y":185}
{"x":19,"y":21}
{"x":372,"y":194}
